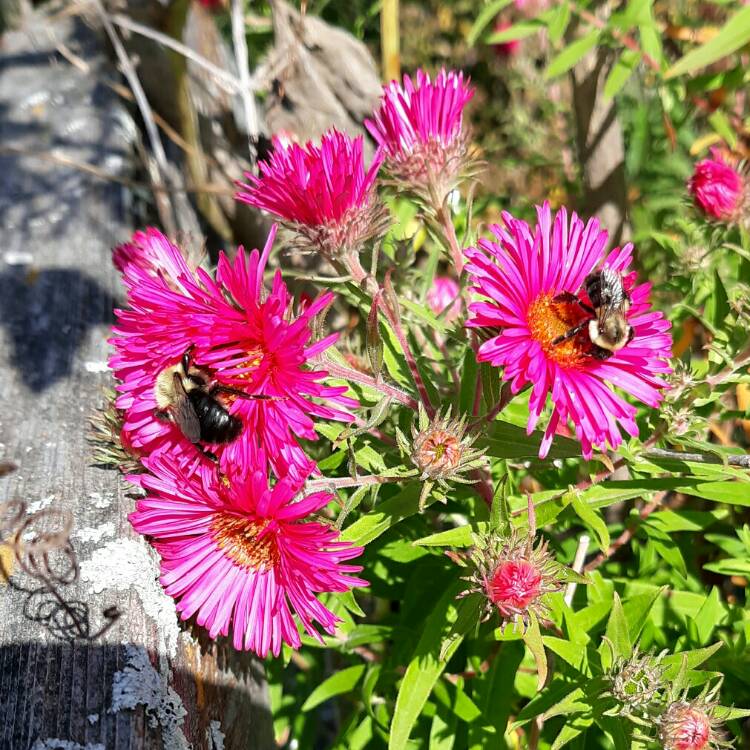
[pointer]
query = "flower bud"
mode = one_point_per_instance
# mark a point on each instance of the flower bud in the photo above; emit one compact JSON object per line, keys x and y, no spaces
{"x":441,"y":449}
{"x":636,"y":683}
{"x":718,"y":189}
{"x":691,"y":726}
{"x":513,"y":575}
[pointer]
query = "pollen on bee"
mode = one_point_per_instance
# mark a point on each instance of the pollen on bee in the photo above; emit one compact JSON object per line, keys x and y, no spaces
{"x":548,"y":319}
{"x":242,"y":541}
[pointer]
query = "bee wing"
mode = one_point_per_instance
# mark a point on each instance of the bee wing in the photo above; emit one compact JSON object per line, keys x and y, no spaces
{"x":184,"y":414}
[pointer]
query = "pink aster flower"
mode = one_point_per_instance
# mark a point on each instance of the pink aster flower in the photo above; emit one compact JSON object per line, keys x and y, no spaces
{"x":532,"y":282}
{"x":444,"y":294}
{"x":240,"y":336}
{"x":718,"y":189}
{"x":240,"y":555}
{"x":419,"y":125}
{"x":323,"y":193}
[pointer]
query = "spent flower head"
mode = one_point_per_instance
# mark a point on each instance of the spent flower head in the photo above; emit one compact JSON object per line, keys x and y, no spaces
{"x":419,"y":127}
{"x":322,"y":193}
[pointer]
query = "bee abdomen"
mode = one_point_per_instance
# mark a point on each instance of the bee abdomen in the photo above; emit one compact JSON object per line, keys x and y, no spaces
{"x":217,"y":425}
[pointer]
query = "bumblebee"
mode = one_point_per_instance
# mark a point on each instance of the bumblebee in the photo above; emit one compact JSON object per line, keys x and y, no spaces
{"x":188,"y":395}
{"x":607,"y":329}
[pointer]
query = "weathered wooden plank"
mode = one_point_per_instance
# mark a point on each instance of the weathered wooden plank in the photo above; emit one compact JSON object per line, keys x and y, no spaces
{"x":147,"y":682}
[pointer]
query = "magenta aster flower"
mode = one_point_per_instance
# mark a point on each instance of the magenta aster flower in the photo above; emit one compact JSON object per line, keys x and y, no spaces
{"x":533,"y":285}
{"x":239,"y":335}
{"x":323,"y":193}
{"x":444,"y":294}
{"x":718,"y":189}
{"x":420,"y":128}
{"x":240,"y":555}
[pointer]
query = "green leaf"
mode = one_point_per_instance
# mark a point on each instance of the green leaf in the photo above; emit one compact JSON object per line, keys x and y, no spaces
{"x":592,"y":519}
{"x":637,"y":610}
{"x":617,"y":633}
{"x":732,"y":493}
{"x":384,"y":516}
{"x":734,"y":34}
{"x":461,"y":536}
{"x":559,"y":21}
{"x":690,"y":659}
{"x":514,"y":32}
{"x":717,"y":306}
{"x":533,"y":639}
{"x":504,"y":440}
{"x":709,"y":616}
{"x":720,"y":123}
{"x":572,"y":54}
{"x":338,"y":683}
{"x":469,"y":372}
{"x":485,"y":17}
{"x":500,"y":511}
{"x":572,"y":729}
{"x":570,"y":652}
{"x":621,"y":72}
{"x":425,"y":666}
{"x":730,"y":567}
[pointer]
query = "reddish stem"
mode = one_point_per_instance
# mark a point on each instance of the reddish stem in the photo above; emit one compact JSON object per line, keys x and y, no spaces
{"x":395,"y":323}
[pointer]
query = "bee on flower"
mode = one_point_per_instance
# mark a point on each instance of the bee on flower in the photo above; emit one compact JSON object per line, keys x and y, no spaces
{"x":567,"y":319}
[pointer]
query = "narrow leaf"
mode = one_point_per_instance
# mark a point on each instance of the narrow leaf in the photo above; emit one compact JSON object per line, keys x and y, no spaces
{"x":425,"y":667}
{"x":338,"y":683}
{"x":734,"y":34}
{"x":572,"y":54}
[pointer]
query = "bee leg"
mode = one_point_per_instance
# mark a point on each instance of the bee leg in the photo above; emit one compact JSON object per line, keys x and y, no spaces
{"x":219,"y":388}
{"x":600,"y":353}
{"x":206,"y":453}
{"x":631,"y":334}
{"x":574,"y":331}
{"x":163,"y":416}
{"x":571,"y":299}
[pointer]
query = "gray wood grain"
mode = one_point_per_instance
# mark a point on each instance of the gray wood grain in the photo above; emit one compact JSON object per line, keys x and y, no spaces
{"x":147,"y":682}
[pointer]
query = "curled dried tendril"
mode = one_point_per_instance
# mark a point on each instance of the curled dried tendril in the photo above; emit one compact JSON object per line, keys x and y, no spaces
{"x":39,"y":545}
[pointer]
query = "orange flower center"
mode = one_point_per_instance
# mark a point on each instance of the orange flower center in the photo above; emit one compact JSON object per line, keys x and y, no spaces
{"x":241,"y":541}
{"x":548,"y":319}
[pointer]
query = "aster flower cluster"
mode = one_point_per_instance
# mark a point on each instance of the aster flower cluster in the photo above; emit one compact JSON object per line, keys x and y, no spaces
{"x":194,"y":353}
{"x":223,"y":376}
